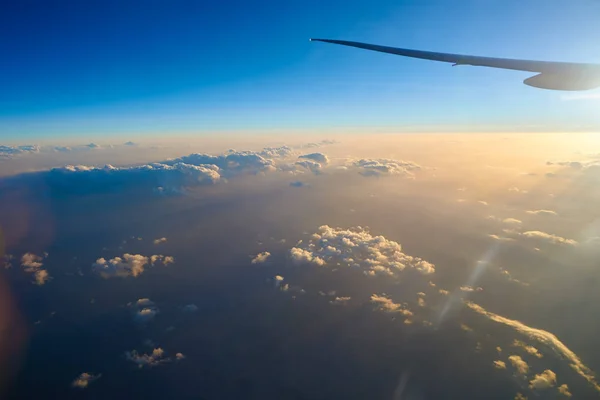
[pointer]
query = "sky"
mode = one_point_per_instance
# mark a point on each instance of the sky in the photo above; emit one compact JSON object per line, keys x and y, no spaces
{"x":131,"y":68}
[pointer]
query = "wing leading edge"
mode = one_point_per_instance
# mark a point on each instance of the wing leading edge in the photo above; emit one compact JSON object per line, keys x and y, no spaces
{"x":551,"y":75}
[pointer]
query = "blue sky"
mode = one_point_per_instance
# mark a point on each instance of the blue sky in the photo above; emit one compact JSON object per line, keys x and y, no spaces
{"x":96,"y":69}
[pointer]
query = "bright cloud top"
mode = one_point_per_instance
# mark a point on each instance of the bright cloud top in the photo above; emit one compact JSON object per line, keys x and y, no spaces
{"x":32,"y":264}
{"x":84,"y":380}
{"x":357,"y":248}
{"x":384,"y":166}
{"x":128,"y":265}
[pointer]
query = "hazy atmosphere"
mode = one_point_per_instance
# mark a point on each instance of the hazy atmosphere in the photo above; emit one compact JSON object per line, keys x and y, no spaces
{"x":355,"y":268}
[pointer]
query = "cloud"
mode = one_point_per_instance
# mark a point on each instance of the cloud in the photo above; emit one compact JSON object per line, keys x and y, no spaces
{"x":511,"y":221}
{"x":11,"y":151}
{"x":318,"y":157}
{"x":501,"y":238}
{"x":520,"y":396}
{"x":179,"y":356}
{"x":545,"y":338}
{"x":548,"y":238}
{"x":153,"y":359}
{"x":340,"y":300}
{"x":357,"y":248}
{"x":32,"y":264}
{"x":519,"y":364}
{"x":310,"y":165}
{"x":278,"y":279}
{"x":500,"y":364}
{"x":160,"y":240}
{"x":128,"y":265}
{"x":529,"y":349}
{"x":542,"y":212}
{"x":83,"y":380}
{"x":144,"y":310}
{"x":545,"y":380}
{"x":261,"y":257}
{"x":384,"y":166}
{"x":385,"y":304}
{"x":564,"y":390}
{"x":190,"y":308}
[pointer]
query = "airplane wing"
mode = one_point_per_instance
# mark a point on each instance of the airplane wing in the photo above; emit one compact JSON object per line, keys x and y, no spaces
{"x":551,"y":75}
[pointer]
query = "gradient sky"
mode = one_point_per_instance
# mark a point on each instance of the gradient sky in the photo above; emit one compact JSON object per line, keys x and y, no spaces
{"x":115,"y":68}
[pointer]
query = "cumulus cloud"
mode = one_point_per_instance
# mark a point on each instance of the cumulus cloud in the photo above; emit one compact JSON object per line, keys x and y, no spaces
{"x":385,"y":304}
{"x":144,"y":310}
{"x":564,"y":390}
{"x":160,"y":240}
{"x":318,"y":157}
{"x":545,"y":338}
{"x":548,"y":238}
{"x":384,"y":166}
{"x":545,"y":380}
{"x":32,"y":264}
{"x":128,"y":265}
{"x":310,"y":165}
{"x":519,"y":364}
{"x":529,"y":349}
{"x":153,"y":359}
{"x":357,"y":248}
{"x":83,"y":380}
{"x":500,"y":364}
{"x":542,"y":212}
{"x":261,"y":257}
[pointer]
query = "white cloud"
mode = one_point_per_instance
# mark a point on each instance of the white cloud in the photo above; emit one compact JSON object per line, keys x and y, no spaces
{"x":385,"y":304}
{"x":310,"y":165}
{"x":128,"y":265}
{"x":318,"y":157}
{"x":179,"y":356}
{"x":542,"y":212}
{"x":383,"y":166}
{"x":564,"y":390}
{"x":485,"y":203}
{"x":511,"y":221}
{"x":340,"y":300}
{"x":500,"y":364}
{"x":160,"y":240}
{"x":357,"y":248}
{"x":83,"y":380}
{"x":261,"y":257}
{"x":548,"y":238}
{"x":32,"y":264}
{"x":519,"y":364}
{"x":545,"y":338}
{"x":145,"y":315}
{"x":11,"y":151}
{"x":501,"y":238}
{"x":545,"y":380}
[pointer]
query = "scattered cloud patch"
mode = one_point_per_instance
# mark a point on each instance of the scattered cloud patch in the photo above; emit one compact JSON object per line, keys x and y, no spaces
{"x":32,"y":264}
{"x":542,"y":212}
{"x":529,"y":349}
{"x":499,"y":364}
{"x":385,"y":304}
{"x":160,"y":240}
{"x":153,"y":359}
{"x":519,"y":364}
{"x":84,"y":380}
{"x":261,"y":257}
{"x":564,"y":390}
{"x":357,"y":248}
{"x":340,"y":300}
{"x":548,"y":238}
{"x":545,"y":380}
{"x":545,"y":338}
